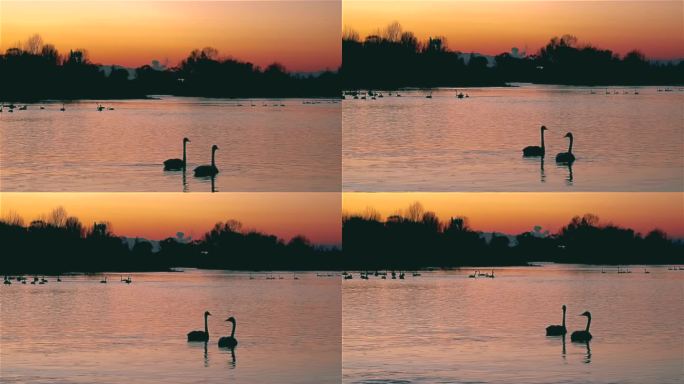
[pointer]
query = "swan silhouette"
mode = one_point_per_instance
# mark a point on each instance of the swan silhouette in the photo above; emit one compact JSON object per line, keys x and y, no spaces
{"x":533,"y":150}
{"x":566,"y":157}
{"x":177,"y":164}
{"x":557,"y":330}
{"x":208,"y":170}
{"x":583,"y":336}
{"x":201,"y":335}
{"x":229,"y":341}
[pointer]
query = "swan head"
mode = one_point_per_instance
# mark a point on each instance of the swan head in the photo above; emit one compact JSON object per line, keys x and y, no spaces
{"x":186,"y":140}
{"x":214,"y":147}
{"x":564,"y":308}
{"x":569,"y":135}
{"x":543,"y":128}
{"x":231,"y":319}
{"x":207,"y":313}
{"x":587,"y":314}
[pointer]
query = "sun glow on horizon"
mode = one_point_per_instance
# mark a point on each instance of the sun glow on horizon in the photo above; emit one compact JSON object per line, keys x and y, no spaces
{"x":518,"y":212}
{"x":656,"y":28}
{"x":303,"y":36}
{"x":156,"y":216}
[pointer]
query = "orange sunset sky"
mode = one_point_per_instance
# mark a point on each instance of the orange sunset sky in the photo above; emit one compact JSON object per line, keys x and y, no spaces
{"x":305,"y":35}
{"x":492,"y":27}
{"x":318,"y":215}
{"x":302,"y":35}
{"x":157,"y":216}
{"x":514,"y":213}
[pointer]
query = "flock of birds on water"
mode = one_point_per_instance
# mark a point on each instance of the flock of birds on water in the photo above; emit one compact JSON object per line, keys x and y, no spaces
{"x":363,"y":275}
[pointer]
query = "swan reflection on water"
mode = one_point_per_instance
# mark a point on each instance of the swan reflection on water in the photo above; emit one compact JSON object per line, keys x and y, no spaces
{"x":569,"y":179}
{"x":587,"y":354}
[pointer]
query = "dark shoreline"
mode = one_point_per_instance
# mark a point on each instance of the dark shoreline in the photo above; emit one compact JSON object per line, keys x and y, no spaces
{"x":355,"y":269}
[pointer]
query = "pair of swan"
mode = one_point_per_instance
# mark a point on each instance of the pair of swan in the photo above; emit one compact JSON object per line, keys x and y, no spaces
{"x":201,"y":171}
{"x":560,"y":330}
{"x":224,"y":342}
{"x":536,"y":151}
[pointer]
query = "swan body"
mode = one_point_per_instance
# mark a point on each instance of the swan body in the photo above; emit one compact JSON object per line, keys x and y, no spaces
{"x":566,"y":157}
{"x":557,"y":330}
{"x":533,"y":150}
{"x":584,"y":335}
{"x":177,"y":164}
{"x":208,"y":170}
{"x":229,"y":341}
{"x":201,"y":335}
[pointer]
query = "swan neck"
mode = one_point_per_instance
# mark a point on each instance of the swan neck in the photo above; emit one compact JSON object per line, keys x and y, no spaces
{"x":232,"y":333}
{"x":206,"y":325}
{"x":542,"y":139}
{"x":213,"y":155}
{"x":184,"y":153}
{"x":563,"y":318}
{"x":588,"y":323}
{"x":570,"y":148}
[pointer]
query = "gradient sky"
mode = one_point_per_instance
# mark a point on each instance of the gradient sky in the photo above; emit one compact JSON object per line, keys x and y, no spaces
{"x":302,"y":35}
{"x":514,"y":213}
{"x":492,"y":27}
{"x":317,"y":215}
{"x":157,"y":216}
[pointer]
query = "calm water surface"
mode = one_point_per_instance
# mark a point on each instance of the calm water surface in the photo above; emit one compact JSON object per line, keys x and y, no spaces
{"x":443,"y":327}
{"x":264,"y":145}
{"x":623,"y":141}
{"x":81,"y":331}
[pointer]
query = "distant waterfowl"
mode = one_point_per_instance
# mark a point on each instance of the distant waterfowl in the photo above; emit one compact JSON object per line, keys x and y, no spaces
{"x":583,"y":335}
{"x":63,"y":108}
{"x":566,"y":157}
{"x":208,"y":170}
{"x":473,"y":276}
{"x":534,"y":150}
{"x":201,"y":335}
{"x":557,"y":330}
{"x":104,"y":281}
{"x":177,"y":164}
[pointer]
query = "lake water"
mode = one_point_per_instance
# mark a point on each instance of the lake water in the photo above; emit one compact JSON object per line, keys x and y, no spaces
{"x":81,"y":331}
{"x":444,"y":327}
{"x":264,"y":145}
{"x":623,"y":141}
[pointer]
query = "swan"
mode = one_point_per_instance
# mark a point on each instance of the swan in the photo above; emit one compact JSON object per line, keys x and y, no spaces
{"x":534,"y":150}
{"x":557,"y":330}
{"x":566,"y":157}
{"x":63,"y":108}
{"x":229,"y":341}
{"x":583,"y":335}
{"x":208,"y":170}
{"x":176,"y":164}
{"x":200,"y":335}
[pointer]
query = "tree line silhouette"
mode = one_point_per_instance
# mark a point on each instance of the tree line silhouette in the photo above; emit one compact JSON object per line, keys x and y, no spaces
{"x":393,"y":58}
{"x":37,"y":71}
{"x":417,"y":239}
{"x":59,"y":243}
